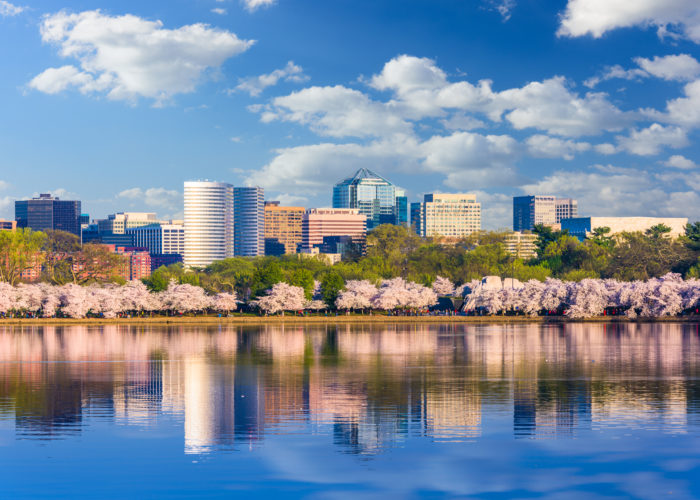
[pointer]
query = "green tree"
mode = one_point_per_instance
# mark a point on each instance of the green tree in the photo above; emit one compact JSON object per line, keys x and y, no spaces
{"x":332,"y":283}
{"x":60,"y":248}
{"x":20,"y":250}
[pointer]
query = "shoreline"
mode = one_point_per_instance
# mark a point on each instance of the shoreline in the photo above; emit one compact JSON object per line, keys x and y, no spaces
{"x":324,"y":320}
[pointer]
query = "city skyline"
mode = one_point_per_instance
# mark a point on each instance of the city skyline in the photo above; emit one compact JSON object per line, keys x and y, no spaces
{"x":447,"y":97}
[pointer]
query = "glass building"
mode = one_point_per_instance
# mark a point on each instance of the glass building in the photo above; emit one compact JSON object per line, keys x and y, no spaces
{"x":374,"y":196}
{"x":48,"y":213}
{"x":249,"y":221}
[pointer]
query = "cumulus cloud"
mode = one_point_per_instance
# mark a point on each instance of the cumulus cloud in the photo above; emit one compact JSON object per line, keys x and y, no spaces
{"x":421,"y":90}
{"x":543,"y":146}
{"x":253,"y":5}
{"x":8,"y":10}
{"x":154,"y":197}
{"x":606,"y":190}
{"x":126,"y":57}
{"x":596,"y":17}
{"x":683,"y":111}
{"x":219,"y":10}
{"x":650,"y":140}
{"x":681,"y":67}
{"x":337,"y":112}
{"x":254,"y":85}
{"x":681,"y":162}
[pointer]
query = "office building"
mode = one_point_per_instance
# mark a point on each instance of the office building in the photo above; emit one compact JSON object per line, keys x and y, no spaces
{"x":582,"y":227}
{"x":371,"y":194}
{"x":162,"y":238}
{"x":529,"y":211}
{"x":402,"y":215}
{"x":208,"y":222}
{"x":118,"y":223}
{"x":249,"y":221}
{"x":48,"y":213}
{"x":448,"y":215}
{"x":164,"y":259}
{"x":416,"y":216}
{"x":322,"y":222}
{"x":282,"y":228}
{"x":8,"y":225}
{"x":565,"y":208}
{"x":521,"y":244}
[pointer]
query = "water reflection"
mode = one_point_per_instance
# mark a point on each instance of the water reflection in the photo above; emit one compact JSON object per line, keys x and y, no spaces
{"x":368,"y":388}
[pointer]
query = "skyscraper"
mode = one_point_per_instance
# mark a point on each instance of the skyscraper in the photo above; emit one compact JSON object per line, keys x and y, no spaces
{"x":449,"y":215}
{"x":249,"y":217}
{"x":324,"y":222}
{"x":372,"y":195}
{"x":529,"y":211}
{"x":208,"y":222}
{"x":282,"y":228}
{"x":48,"y":213}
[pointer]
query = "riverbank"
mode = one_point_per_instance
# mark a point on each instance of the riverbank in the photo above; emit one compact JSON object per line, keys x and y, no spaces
{"x":354,"y":319}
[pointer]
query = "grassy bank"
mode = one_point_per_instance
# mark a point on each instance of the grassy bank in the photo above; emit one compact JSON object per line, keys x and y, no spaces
{"x":373,"y":319}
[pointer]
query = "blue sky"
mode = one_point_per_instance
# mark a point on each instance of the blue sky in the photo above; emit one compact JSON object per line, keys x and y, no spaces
{"x":118,"y":103}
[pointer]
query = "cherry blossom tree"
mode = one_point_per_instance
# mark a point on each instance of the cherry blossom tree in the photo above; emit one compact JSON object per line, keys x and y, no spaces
{"x":225,"y":302}
{"x":185,"y":298}
{"x":282,"y":297}
{"x":443,"y":286}
{"x":356,"y":295}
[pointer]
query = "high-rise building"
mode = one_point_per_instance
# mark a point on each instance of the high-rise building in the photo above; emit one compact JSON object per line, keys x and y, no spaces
{"x":321,"y":222}
{"x":416,"y":216}
{"x":371,"y":194}
{"x":565,"y":208}
{"x":249,"y":225}
{"x":48,"y":213}
{"x":160,"y":238}
{"x":118,"y":223}
{"x":282,"y":228}
{"x":208,"y":222}
{"x":402,"y":215}
{"x":448,"y":215}
{"x":529,"y":211}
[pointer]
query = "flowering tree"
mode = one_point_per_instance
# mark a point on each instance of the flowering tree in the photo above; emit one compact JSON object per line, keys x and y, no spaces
{"x":282,"y":297}
{"x":316,"y":305}
{"x":357,"y":295}
{"x":443,"y":286}
{"x":184,"y":298}
{"x":225,"y":302}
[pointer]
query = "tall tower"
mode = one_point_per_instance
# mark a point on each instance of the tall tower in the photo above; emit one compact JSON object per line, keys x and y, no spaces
{"x":371,"y":194}
{"x":208,"y":222}
{"x":249,"y":210}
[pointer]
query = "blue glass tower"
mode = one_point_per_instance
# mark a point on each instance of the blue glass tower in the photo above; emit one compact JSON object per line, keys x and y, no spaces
{"x":373,"y":195}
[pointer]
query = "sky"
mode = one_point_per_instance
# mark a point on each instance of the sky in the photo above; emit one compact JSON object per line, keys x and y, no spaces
{"x":118,"y":103}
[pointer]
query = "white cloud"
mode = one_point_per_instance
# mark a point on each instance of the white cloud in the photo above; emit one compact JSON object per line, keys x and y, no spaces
{"x":462,"y":121}
{"x":154,"y":197}
{"x":128,"y":57}
{"x":421,"y":90}
{"x":337,"y":112}
{"x":253,"y":5}
{"x":543,"y":146}
{"x":681,"y":162}
{"x":614,"y":191}
{"x":254,"y":85}
{"x":219,"y":10}
{"x":650,"y":140}
{"x":504,"y":7}
{"x":4,"y":185}
{"x":684,"y":110}
{"x":596,"y":17}
{"x":8,"y":10}
{"x":681,"y":67}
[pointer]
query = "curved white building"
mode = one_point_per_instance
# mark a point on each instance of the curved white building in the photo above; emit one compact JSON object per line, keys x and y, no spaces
{"x":208,"y":222}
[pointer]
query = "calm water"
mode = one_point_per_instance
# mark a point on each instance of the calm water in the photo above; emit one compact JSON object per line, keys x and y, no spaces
{"x":575,"y":411}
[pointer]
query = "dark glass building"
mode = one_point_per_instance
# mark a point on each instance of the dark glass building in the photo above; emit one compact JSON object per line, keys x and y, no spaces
{"x":48,"y":213}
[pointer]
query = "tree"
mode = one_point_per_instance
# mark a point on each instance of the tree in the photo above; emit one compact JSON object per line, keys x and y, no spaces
{"x":20,"y":250}
{"x":59,"y":248}
{"x":331,"y":285}
{"x":282,"y":297}
{"x":97,"y":264}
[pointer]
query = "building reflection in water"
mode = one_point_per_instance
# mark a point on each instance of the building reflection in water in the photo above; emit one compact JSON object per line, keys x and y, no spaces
{"x":366,"y":387}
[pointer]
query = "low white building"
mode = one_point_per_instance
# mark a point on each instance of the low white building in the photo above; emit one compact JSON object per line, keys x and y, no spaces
{"x":582,"y":227}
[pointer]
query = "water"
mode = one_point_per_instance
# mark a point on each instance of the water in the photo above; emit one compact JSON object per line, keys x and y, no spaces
{"x":492,"y":411}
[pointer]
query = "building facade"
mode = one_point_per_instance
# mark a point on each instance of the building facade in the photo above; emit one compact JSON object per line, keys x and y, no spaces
{"x":8,"y":225}
{"x":160,"y":238}
{"x":48,"y":213}
{"x":529,"y":211}
{"x":322,"y":222}
{"x":249,"y":225}
{"x":582,"y":227}
{"x":139,"y":262}
{"x":371,"y":194}
{"x":521,"y":244}
{"x":448,"y":215}
{"x":119,"y":223}
{"x":208,"y":222}
{"x":282,"y":228}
